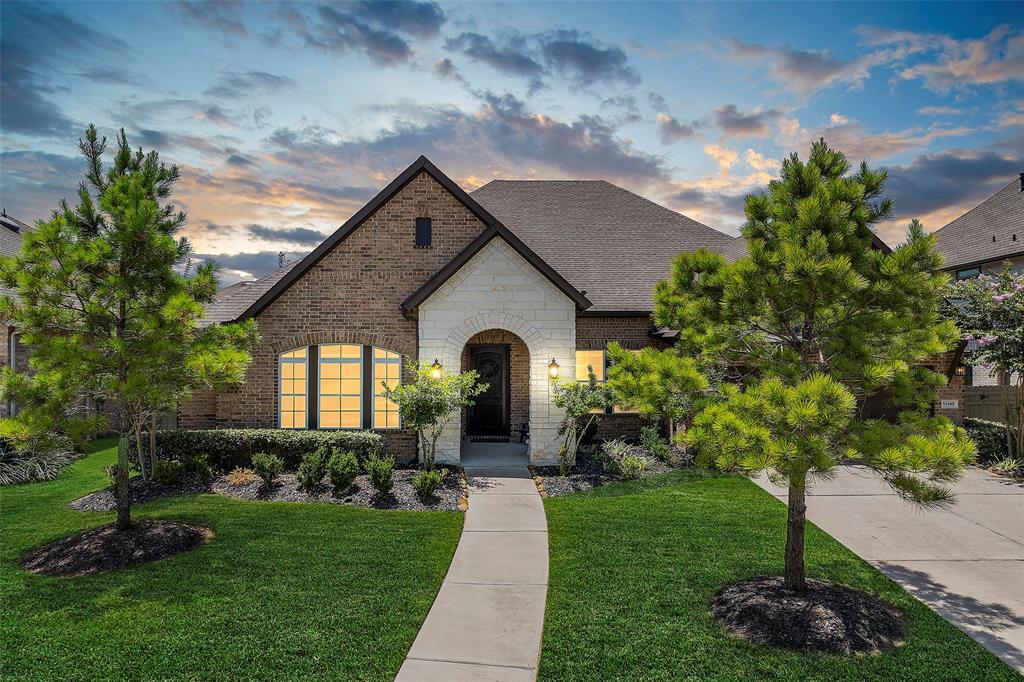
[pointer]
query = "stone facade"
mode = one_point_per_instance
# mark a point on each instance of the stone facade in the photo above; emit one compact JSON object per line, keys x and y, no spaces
{"x":499,"y":289}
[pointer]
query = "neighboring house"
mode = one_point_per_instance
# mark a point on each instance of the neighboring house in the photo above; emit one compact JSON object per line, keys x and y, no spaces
{"x":982,"y":241}
{"x":507,"y":280}
{"x":14,"y":354}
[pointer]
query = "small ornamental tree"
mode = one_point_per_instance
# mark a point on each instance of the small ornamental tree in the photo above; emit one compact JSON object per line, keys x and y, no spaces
{"x":103,"y":304}
{"x":820,"y":319}
{"x":661,"y":385}
{"x":989,"y":310}
{"x":430,"y":402}
{"x":582,"y":401}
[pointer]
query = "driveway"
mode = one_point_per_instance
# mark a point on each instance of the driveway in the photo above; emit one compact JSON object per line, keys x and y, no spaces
{"x":966,"y":562}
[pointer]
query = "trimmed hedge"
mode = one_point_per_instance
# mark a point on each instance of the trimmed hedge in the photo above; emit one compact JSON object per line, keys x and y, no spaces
{"x":990,"y":437}
{"x":230,"y":448}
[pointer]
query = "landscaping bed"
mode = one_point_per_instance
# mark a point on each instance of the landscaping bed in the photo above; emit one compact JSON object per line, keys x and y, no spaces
{"x":286,"y":489}
{"x":590,"y":471}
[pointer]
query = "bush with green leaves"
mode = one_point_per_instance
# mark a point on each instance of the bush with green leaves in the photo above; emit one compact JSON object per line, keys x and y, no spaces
{"x":230,"y":448}
{"x":990,"y":437}
{"x":199,"y":466}
{"x":168,"y":471}
{"x":426,"y":483}
{"x":631,"y":466}
{"x":653,"y":443}
{"x":312,"y":468}
{"x":580,"y":401}
{"x":39,"y":457}
{"x":267,"y":466}
{"x":611,"y":453}
{"x":342,"y":468}
{"x":1009,"y":467}
{"x":381,"y":472}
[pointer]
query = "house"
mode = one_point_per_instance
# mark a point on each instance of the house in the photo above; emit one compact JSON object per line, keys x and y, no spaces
{"x":516,"y":280}
{"x":980,"y":241}
{"x":14,"y":354}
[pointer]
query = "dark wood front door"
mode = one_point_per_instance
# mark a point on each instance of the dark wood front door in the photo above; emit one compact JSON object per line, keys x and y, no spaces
{"x":488,"y":418}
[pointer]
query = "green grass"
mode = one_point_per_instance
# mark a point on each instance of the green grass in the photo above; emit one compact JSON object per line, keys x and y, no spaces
{"x":634,"y":565}
{"x":282,"y":591}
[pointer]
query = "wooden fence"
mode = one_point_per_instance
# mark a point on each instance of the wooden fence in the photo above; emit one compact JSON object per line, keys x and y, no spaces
{"x":986,"y":402}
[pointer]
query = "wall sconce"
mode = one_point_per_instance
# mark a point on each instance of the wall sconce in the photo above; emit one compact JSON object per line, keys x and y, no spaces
{"x":960,"y":370}
{"x":435,"y":370}
{"x":553,"y":369}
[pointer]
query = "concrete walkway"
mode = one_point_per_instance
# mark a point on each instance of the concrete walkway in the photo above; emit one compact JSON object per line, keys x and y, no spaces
{"x":487,"y":620}
{"x":965,"y":562}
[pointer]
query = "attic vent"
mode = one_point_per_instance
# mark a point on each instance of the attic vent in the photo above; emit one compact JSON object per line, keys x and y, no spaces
{"x":993,"y":239}
{"x":423,"y":233}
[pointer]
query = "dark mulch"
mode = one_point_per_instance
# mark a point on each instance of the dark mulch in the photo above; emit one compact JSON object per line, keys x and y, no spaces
{"x":106,"y":549}
{"x":361,"y":494}
{"x":587,"y":474}
{"x":141,"y":491}
{"x":830,"y":618}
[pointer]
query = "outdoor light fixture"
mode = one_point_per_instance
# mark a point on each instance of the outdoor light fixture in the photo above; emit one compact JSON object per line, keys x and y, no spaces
{"x":553,"y":369}
{"x":435,"y":370}
{"x":961,"y":370}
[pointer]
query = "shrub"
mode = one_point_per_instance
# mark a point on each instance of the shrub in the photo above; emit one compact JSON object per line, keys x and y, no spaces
{"x":230,"y":448}
{"x":1009,"y":467}
{"x":426,"y":483}
{"x":611,"y":454}
{"x":653,"y":443}
{"x":200,"y":467}
{"x":267,"y":466}
{"x":168,"y":471}
{"x":31,"y":455}
{"x":312,"y":469}
{"x":380,"y":471}
{"x":990,"y":437}
{"x":241,"y":476}
{"x":343,"y":469}
{"x":631,"y":466}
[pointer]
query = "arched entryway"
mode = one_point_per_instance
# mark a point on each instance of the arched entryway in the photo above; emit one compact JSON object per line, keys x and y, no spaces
{"x":502,"y":360}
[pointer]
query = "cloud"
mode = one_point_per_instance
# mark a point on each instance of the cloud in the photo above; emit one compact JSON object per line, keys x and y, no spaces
{"x":803,"y":71}
{"x":377,"y":29}
{"x":112,"y":75}
{"x":849,"y":136}
{"x":239,"y":160}
{"x":224,"y":16}
{"x":723,"y":156}
{"x":1012,"y":118}
{"x":37,"y":41}
{"x":244,"y":83}
{"x":510,"y":57}
{"x":246,"y":266}
{"x":759,"y":162}
{"x":292,"y":235}
{"x":580,"y":58}
{"x":955,"y":64}
{"x":940,"y":111}
{"x":736,"y":123}
{"x":34,"y":181}
{"x":446,"y":70}
{"x":672,"y":130}
{"x":217,"y":115}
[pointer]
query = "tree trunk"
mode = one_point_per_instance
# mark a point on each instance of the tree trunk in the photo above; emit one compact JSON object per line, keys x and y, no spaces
{"x":795,"y":578}
{"x":152,"y":442}
{"x":139,"y":450}
{"x":122,"y":494}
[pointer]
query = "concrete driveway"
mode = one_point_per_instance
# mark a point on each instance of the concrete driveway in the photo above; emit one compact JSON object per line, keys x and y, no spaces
{"x":966,"y":562}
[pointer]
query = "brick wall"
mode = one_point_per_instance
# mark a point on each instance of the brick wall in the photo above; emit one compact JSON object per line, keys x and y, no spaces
{"x":21,"y":354}
{"x":352,"y":295}
{"x":954,"y":390}
{"x":519,"y":373}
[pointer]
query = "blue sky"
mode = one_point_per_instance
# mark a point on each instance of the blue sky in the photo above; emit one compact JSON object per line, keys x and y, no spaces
{"x":286,"y":117}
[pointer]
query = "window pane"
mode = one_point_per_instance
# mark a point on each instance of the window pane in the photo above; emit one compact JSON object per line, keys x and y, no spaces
{"x":350,"y":420}
{"x":341,"y":372}
{"x":292,"y":389}
{"x":387,"y":369}
{"x":330,"y":351}
{"x":587,"y":360}
{"x":351,"y":351}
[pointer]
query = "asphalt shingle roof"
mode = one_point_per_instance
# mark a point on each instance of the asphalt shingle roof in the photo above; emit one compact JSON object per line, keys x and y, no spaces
{"x":232,"y":301}
{"x":603,"y":239}
{"x":969,"y":238}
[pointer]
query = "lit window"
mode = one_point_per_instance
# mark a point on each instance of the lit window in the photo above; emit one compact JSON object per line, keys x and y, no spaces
{"x":292,"y":368}
{"x":590,"y":361}
{"x":341,"y":383}
{"x":387,"y":369}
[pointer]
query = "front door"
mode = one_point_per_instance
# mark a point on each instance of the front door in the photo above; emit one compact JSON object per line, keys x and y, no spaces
{"x":488,"y":418}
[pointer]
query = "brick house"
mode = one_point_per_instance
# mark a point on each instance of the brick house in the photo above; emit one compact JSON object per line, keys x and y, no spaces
{"x":506,"y":280}
{"x":13,"y":354}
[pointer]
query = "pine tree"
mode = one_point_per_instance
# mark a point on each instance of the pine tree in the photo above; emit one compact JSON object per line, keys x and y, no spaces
{"x":105,"y":310}
{"x":819,"y":319}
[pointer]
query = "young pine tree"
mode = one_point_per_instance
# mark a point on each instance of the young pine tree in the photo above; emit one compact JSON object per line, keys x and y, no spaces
{"x":820,"y":319}
{"x":104,"y":307}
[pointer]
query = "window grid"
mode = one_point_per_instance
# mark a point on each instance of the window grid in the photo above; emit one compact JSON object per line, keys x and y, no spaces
{"x":292,"y":387}
{"x":387,"y":368}
{"x":587,"y":360}
{"x":340,"y":378}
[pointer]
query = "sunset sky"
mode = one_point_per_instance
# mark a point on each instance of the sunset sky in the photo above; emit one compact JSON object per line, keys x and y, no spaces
{"x":286,"y":118}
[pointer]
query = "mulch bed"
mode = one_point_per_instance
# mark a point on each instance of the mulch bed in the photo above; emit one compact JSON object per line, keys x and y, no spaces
{"x":141,"y":491}
{"x":587,"y":474}
{"x":361,"y":494}
{"x":106,"y":549}
{"x":830,"y":618}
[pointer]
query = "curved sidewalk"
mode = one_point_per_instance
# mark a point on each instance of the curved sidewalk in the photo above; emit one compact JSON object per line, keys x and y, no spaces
{"x":486,"y":622}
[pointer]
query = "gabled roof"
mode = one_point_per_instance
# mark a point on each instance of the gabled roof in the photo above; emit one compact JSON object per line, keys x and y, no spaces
{"x":991,"y":231}
{"x":496,"y":230}
{"x":11,"y":231}
{"x":422,"y":164}
{"x":607,"y":241}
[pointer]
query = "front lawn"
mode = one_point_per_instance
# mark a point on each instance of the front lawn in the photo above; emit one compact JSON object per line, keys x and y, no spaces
{"x":634,"y":565}
{"x":282,"y":591}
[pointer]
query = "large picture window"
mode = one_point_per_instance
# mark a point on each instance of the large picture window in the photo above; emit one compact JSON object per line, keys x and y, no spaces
{"x":292,"y":370}
{"x":341,"y":386}
{"x":387,"y":369}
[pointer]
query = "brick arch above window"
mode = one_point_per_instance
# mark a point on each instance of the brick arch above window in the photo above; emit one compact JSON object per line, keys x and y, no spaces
{"x":320,"y":338}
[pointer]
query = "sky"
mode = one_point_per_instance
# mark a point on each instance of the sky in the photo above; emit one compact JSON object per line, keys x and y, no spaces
{"x":285,"y":118}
